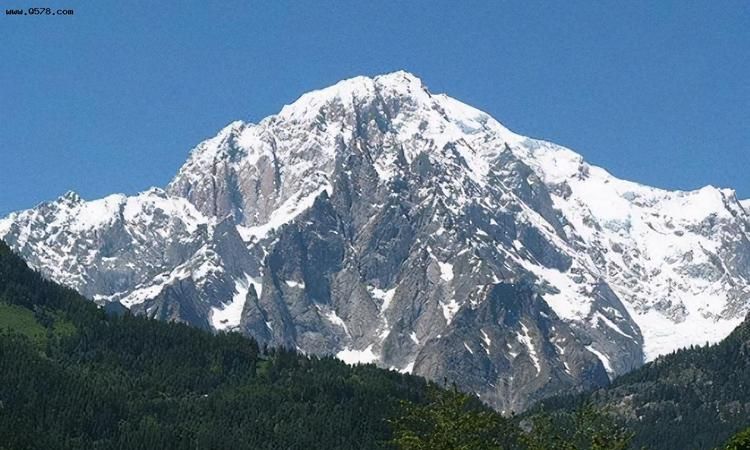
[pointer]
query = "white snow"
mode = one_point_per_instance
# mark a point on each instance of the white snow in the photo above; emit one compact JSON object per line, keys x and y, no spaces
{"x":561,"y":352}
{"x":446,"y":271}
{"x":662,"y":335}
{"x":601,"y":318}
{"x":604,"y":359}
{"x":5,"y":225}
{"x":526,"y":339}
{"x":365,"y":356}
{"x":450,"y":309}
{"x":284,"y":214}
{"x":384,"y":296}
{"x":295,"y":284}
{"x":409,"y":368}
{"x":569,"y":300}
{"x":228,"y":316}
{"x":97,"y":213}
{"x":308,"y":106}
{"x":336,"y":320}
{"x":487,"y":341}
{"x":140,"y":295}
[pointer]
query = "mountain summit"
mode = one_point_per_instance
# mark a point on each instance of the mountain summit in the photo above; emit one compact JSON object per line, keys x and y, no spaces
{"x":382,"y":223}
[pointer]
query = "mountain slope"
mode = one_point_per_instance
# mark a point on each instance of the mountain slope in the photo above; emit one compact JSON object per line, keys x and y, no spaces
{"x":379,"y":222}
{"x":92,"y":381}
{"x":694,"y":398}
{"x":678,"y":260}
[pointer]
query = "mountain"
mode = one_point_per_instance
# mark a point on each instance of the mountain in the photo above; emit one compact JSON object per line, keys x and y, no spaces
{"x":694,"y":398}
{"x":379,"y":222}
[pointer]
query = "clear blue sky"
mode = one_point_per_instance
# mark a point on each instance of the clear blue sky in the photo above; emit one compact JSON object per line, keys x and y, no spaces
{"x":113,"y":98}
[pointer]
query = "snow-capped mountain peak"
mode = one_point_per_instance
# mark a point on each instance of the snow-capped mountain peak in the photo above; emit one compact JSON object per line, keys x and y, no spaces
{"x":383,"y":223}
{"x":294,"y":153}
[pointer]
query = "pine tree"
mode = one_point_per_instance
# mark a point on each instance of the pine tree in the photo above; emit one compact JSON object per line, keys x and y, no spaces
{"x":450,"y":421}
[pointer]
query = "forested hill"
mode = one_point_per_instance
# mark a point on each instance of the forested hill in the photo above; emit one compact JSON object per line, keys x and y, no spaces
{"x":695,"y":398}
{"x":73,"y":378}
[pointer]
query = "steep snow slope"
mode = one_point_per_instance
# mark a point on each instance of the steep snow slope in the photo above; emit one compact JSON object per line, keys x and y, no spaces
{"x":677,"y":259}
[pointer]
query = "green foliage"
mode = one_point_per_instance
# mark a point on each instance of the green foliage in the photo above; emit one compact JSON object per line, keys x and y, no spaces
{"x":450,"y":421}
{"x":740,"y":441}
{"x":21,"y":320}
{"x":585,"y":428}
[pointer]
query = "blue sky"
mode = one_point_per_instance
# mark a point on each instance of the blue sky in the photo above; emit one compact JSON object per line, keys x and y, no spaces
{"x":113,"y":98}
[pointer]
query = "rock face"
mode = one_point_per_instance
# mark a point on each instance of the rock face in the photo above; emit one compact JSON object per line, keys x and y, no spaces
{"x":382,"y":223}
